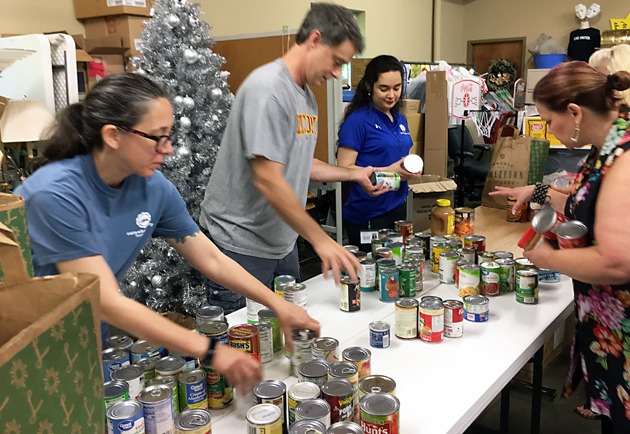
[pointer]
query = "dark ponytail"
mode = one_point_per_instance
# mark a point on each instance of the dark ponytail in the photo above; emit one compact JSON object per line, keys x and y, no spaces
{"x":579,"y":83}
{"x":119,"y":99}
{"x":377,"y":66}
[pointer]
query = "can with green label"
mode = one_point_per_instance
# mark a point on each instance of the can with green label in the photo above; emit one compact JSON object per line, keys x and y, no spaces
{"x":269,"y":316}
{"x":407,"y":280}
{"x":527,"y":286}
{"x":115,"y":391}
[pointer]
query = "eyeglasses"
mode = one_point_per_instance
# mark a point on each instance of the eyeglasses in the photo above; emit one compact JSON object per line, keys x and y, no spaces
{"x":160,"y":141}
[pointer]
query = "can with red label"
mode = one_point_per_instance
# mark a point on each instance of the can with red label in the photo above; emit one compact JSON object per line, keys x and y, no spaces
{"x":431,"y":319}
{"x":404,"y":227}
{"x":573,"y":235}
{"x":490,"y":278}
{"x":384,"y":252}
{"x":339,"y":394}
{"x":245,"y":337}
{"x":453,"y":319}
{"x":361,"y":357}
{"x":546,"y":222}
{"x":379,"y":413}
{"x":477,"y":242}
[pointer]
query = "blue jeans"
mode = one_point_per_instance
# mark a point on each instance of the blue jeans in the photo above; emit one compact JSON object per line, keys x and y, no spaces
{"x":265,"y":270}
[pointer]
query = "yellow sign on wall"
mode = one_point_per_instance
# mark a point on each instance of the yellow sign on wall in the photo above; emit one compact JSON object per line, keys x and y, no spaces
{"x":621,"y":24}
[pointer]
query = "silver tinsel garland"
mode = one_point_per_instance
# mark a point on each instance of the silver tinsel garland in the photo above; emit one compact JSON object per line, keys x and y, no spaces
{"x":175,"y":53}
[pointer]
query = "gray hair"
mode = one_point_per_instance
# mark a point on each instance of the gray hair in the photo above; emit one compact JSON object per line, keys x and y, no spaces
{"x":336,"y":24}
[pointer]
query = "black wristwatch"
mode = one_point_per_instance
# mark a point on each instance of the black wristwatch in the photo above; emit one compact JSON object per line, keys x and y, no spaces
{"x":206,"y":360}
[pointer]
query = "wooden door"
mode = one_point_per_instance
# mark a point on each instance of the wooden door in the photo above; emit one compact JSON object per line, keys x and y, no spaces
{"x":483,"y":52}
{"x":244,"y":55}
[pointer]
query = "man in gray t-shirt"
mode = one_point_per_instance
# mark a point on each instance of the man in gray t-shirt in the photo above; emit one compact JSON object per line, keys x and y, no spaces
{"x":254,"y":203}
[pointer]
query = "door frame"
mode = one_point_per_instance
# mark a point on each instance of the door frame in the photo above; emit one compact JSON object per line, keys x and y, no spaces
{"x":522,"y":39}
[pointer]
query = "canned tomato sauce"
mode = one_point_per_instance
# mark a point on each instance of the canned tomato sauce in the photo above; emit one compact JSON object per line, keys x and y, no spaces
{"x":245,"y":338}
{"x":340,"y":396}
{"x":379,"y":334}
{"x":194,"y":421}
{"x":490,"y":278}
{"x":361,"y":357}
{"x":379,"y":413}
{"x":157,"y":404}
{"x":431,"y":319}
{"x":273,"y":392}
{"x":325,"y":348}
{"x":453,"y":318}
{"x":476,"y":308}
{"x":349,"y":295}
{"x":406,"y":318}
{"x":264,"y":419}
{"x":527,"y":286}
{"x":298,"y":393}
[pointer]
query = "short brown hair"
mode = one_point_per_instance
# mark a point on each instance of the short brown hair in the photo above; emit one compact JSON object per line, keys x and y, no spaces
{"x":336,"y":24}
{"x":579,"y":83}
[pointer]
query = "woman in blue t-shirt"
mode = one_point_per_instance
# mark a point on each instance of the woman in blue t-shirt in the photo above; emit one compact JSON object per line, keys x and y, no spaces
{"x":374,"y":134}
{"x":100,"y":199}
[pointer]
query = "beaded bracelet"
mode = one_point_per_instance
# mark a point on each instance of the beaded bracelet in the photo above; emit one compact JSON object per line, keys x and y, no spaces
{"x":540,"y":193}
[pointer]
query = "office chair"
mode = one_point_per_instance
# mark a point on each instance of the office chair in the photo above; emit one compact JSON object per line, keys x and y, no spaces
{"x":467,"y":168}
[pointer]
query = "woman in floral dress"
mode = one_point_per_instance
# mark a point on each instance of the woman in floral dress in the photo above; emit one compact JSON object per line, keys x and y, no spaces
{"x":580,"y":107}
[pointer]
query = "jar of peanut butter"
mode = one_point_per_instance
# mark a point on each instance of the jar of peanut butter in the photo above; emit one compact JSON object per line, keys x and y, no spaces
{"x":442,"y":218}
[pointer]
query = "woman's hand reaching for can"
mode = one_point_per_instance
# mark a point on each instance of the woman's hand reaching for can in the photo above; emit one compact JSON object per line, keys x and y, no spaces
{"x":521,"y":194}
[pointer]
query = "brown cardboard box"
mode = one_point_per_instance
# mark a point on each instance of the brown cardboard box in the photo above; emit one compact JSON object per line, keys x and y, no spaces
{"x":417,"y":148}
{"x":434,"y":162}
{"x":415,"y":122}
{"x":125,"y":27}
{"x":409,"y":106}
{"x":426,"y":191}
{"x":436,"y":114}
{"x":357,"y":69}
{"x":100,"y":8}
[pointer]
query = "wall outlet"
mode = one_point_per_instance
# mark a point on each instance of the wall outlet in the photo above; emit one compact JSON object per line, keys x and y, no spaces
{"x":285,"y":30}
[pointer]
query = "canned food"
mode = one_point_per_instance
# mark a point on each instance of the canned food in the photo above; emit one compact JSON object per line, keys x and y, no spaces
{"x":346,"y":371}
{"x":437,"y":248}
{"x":448,"y":267}
{"x":269,"y":316}
{"x":308,"y":427}
{"x":345,"y":428}
{"x":468,"y":254}
{"x":216,"y":330}
{"x":191,"y":362}
{"x":527,"y":286}
{"x":264,"y":419}
{"x":313,"y":409}
{"x":295,"y":293}
{"x":351,"y":248}
{"x":367,"y":277}
{"x":298,"y":393}
{"x":313,"y":371}
{"x":125,"y":417}
{"x":115,"y":391}
{"x":548,"y":276}
{"x":394,"y":237}
{"x":533,"y":210}
{"x":325,"y":348}
{"x":406,"y":318}
{"x":157,"y":404}
{"x":484,"y":257}
{"x":414,"y":241}
{"x":281,"y":280}
{"x":453,"y":318}
{"x":377,"y":243}
{"x":384,"y":252}
{"x":507,"y":274}
{"x":398,"y":251}
{"x":431,"y":319}
{"x":169,"y":381}
{"x":273,"y":392}
{"x":340,"y":396}
{"x":349,"y":295}
{"x":253,"y":307}
{"x":245,"y":338}
{"x":476,"y":308}
{"x":302,"y":342}
{"x":458,"y":265}
{"x":477,"y":242}
{"x":389,"y":284}
{"x":469,"y":279}
{"x":169,"y":366}
{"x":220,"y":392}
{"x":133,"y":375}
{"x":379,"y":413}
{"x":113,"y":359}
{"x":376,"y":384}
{"x":524,"y":263}
{"x":464,"y":221}
{"x":490,"y":278}
{"x":194,"y":421}
{"x":119,"y":341}
{"x":390,"y":180}
{"x":192,"y":389}
{"x":425,"y":240}
{"x":148,"y":365}
{"x":361,"y":357}
{"x":266,"y":342}
{"x":407,"y":280}
{"x":360,"y":255}
{"x":455,"y":245}
{"x":404,"y":227}
{"x":546,"y":222}
{"x":520,"y":216}
{"x":573,"y":235}
{"x":141,"y":349}
{"x":208,"y":313}
{"x":452,"y":237}
{"x":417,"y":261}
{"x":379,"y":334}
{"x":413,"y":250}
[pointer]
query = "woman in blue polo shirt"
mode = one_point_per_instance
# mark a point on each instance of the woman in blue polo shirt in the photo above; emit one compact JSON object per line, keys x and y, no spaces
{"x":374,"y":134}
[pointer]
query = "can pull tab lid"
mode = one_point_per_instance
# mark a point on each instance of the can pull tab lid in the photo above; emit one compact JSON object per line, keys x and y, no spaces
{"x":347,"y":371}
{"x":197,"y":421}
{"x":156,"y":392}
{"x":311,"y":431}
{"x":328,"y":344}
{"x":376,"y":389}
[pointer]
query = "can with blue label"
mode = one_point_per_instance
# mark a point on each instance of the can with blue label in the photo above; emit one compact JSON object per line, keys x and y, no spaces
{"x":125,"y":417}
{"x":548,"y":276}
{"x":379,"y":334}
{"x":476,"y":308}
{"x":119,"y":341}
{"x":143,"y":349}
{"x":157,"y":403}
{"x":192,"y":389}
{"x":389,"y":283}
{"x":113,"y":359}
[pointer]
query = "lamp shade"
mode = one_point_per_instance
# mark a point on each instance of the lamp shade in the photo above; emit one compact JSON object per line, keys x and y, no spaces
{"x":24,"y":121}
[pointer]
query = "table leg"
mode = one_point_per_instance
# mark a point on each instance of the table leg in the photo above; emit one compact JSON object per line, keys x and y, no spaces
{"x":537,"y":391}
{"x":505,"y":410}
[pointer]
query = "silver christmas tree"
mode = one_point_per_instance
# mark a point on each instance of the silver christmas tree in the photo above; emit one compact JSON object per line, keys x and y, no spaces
{"x":175,"y":53}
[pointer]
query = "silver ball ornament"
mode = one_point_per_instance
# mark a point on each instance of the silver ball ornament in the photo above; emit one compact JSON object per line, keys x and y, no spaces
{"x":133,"y":284}
{"x":172,"y":21}
{"x":189,"y":103}
{"x":185,"y":123}
{"x":215,"y":94}
{"x":184,"y":152}
{"x":141,"y":71}
{"x":156,"y":281}
{"x":190,"y":56}
{"x":178,"y":100}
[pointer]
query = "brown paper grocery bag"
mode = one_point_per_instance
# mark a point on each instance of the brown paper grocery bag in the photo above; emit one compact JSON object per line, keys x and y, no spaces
{"x":509,"y":166}
{"x":13,"y":215}
{"x":50,"y":349}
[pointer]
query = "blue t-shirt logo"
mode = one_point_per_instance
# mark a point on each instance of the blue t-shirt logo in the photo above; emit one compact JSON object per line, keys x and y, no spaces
{"x":144,"y":220}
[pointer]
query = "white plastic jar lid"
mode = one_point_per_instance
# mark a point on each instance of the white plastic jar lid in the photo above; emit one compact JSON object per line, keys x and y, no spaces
{"x":413,"y":163}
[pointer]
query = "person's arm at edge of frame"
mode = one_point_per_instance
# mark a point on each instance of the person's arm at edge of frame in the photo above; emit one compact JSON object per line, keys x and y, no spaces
{"x":207,"y":258}
{"x":607,"y":262}
{"x":269,"y":180}
{"x":139,"y":320}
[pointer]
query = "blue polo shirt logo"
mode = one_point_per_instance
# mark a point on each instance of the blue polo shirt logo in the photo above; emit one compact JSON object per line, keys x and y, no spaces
{"x":377,"y":126}
{"x":402,"y":128}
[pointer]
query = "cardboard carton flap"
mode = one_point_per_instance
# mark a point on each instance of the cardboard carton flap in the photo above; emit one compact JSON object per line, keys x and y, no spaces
{"x":431,"y":184}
